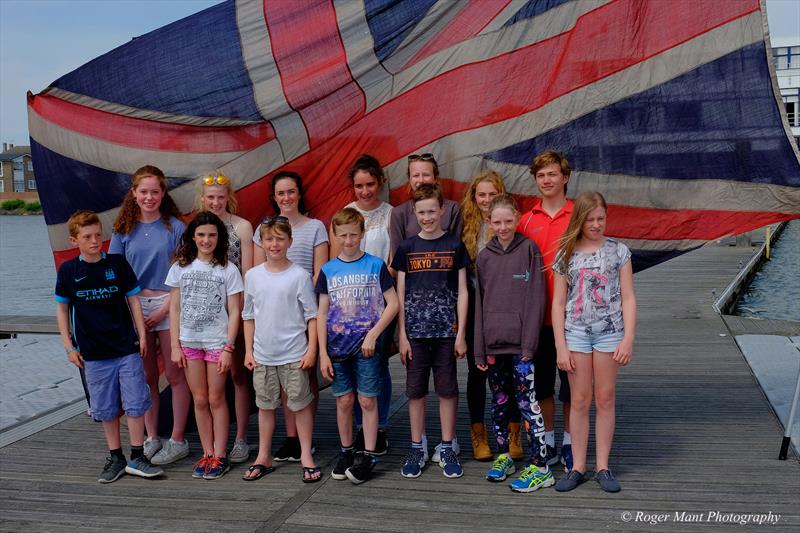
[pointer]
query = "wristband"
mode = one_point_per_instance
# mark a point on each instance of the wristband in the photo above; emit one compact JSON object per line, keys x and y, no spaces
{"x":228,"y":349}
{"x":228,"y":343}
{"x":70,"y":350}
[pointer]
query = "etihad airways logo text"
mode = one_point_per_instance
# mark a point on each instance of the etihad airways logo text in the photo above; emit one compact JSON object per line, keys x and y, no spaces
{"x":97,"y":294}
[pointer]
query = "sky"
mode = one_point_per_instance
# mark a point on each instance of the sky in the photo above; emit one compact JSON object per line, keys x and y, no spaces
{"x":41,"y":40}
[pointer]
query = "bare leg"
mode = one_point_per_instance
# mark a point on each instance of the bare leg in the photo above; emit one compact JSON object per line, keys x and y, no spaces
{"x":136,"y":430}
{"x":151,"y":373}
{"x":605,"y":386}
{"x":369,"y":413}
{"x":416,"y":416}
{"x":566,"y":410}
{"x":241,"y":390}
{"x":111,"y":430}
{"x":196,"y":378}
{"x":266,"y":427}
{"x":548,"y":407}
{"x":219,"y":409}
{"x":181,"y":398}
{"x":447,"y":417}
{"x":344,"y":418}
{"x":580,"y":383}
{"x":305,"y":430}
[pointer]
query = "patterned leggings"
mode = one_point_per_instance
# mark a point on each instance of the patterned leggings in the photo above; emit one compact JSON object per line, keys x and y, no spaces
{"x":510,"y":378}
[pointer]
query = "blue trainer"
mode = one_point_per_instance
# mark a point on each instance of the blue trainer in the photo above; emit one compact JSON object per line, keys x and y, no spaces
{"x":448,"y":460}
{"x":607,"y":481}
{"x":502,"y":467}
{"x":566,"y":457}
{"x":413,"y":463}
{"x":533,"y":478}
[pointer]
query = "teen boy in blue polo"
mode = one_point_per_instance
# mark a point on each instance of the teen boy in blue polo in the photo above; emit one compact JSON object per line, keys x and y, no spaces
{"x":357,"y":301}
{"x":96,"y":293}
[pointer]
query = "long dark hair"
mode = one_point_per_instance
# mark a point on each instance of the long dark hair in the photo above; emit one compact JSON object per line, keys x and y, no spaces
{"x":294,"y":176}
{"x":187,"y":251}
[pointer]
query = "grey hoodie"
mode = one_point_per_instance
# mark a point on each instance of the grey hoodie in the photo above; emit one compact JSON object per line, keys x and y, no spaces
{"x":510,"y":299}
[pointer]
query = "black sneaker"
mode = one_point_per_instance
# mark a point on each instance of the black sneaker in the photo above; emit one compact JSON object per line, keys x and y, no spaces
{"x":551,"y":456}
{"x":346,"y":458}
{"x":289,"y":450}
{"x":362,"y":470}
{"x":113,"y":469}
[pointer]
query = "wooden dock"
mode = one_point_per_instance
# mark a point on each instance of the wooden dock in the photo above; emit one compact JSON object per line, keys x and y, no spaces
{"x":694,"y":434}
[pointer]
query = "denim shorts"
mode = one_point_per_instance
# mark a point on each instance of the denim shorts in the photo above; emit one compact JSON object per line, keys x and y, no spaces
{"x":117,"y":383}
{"x":581,"y":342}
{"x":153,"y":303}
{"x":359,"y":373}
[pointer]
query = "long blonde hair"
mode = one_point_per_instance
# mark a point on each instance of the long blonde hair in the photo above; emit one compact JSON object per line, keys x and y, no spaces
{"x":585,"y":202}
{"x":471,"y":214}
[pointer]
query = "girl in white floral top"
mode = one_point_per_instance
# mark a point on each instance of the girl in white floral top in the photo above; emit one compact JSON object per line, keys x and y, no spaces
{"x":594,"y":321}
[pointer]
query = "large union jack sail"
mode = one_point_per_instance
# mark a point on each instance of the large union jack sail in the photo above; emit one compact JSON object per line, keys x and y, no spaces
{"x":669,"y":108}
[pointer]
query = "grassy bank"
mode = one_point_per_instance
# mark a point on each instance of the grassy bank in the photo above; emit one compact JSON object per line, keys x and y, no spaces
{"x":20,"y":207}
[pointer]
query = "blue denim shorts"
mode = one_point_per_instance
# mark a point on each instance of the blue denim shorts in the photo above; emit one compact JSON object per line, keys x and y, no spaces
{"x":359,"y":373}
{"x":580,"y":341}
{"x":117,"y":383}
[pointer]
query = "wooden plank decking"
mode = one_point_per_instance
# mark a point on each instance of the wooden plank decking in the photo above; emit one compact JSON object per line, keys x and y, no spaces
{"x":694,"y":433}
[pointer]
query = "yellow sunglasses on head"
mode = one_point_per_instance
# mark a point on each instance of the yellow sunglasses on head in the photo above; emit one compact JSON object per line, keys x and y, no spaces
{"x":219,"y":179}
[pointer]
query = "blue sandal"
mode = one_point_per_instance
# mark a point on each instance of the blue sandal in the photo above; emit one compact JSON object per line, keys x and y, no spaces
{"x":311,"y":474}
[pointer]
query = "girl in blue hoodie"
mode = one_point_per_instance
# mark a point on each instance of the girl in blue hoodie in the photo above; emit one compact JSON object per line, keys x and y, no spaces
{"x":509,"y":310}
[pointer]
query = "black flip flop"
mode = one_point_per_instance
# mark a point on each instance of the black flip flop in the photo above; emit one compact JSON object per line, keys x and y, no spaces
{"x":308,"y":473}
{"x":262,"y":471}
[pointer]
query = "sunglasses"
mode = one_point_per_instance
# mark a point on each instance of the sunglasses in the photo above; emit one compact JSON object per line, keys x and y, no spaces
{"x":421,"y":157}
{"x":219,"y":179}
{"x":274,"y":220}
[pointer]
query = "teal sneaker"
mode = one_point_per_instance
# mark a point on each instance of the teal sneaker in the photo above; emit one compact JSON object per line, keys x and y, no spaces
{"x":532,"y":479}
{"x":502,"y":467}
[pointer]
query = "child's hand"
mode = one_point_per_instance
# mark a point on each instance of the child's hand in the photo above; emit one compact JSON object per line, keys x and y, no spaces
{"x":155,"y":318}
{"x":461,"y":347}
{"x":368,"y":346}
{"x":177,"y":356}
{"x":325,"y":366}
{"x":74,"y":357}
{"x":224,"y":363}
{"x":143,"y":345}
{"x":405,"y":350}
{"x":622,"y":355}
{"x":249,"y":361}
{"x":309,"y":360}
{"x":564,"y":360}
{"x":482,"y":366}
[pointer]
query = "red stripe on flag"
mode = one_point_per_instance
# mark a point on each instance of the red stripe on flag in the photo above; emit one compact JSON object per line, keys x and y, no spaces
{"x":468,"y":23}
{"x":150,"y":134}
{"x":312,"y":63}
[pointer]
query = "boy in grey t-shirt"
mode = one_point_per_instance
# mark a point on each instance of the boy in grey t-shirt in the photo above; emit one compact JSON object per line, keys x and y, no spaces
{"x":280,"y":304}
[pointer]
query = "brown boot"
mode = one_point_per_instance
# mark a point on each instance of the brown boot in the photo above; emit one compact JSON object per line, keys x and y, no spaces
{"x":515,"y":441}
{"x":480,"y":447}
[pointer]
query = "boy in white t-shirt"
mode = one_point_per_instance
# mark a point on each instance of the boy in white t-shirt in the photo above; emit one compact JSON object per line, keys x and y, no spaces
{"x":280,"y":337}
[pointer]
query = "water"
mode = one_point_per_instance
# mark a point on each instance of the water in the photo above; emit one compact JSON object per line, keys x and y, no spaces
{"x":27,"y":270}
{"x":775,"y":289}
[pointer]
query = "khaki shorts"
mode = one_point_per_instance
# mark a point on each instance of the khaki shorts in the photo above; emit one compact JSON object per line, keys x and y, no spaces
{"x":269,"y":380}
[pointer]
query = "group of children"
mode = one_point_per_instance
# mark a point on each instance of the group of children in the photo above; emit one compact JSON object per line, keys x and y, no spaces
{"x":516,"y":294}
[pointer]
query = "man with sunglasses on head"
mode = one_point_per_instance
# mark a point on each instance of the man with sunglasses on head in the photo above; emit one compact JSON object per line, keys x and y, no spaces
{"x":422,"y":168}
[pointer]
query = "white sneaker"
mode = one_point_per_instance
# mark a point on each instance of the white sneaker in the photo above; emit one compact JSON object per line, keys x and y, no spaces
{"x":437,"y":452}
{"x":171,"y":451}
{"x":151,"y":447}
{"x":240,"y":452}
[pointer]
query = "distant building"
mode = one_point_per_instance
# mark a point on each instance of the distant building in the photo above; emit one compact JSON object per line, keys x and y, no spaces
{"x":17,"y":179}
{"x":786,"y":54}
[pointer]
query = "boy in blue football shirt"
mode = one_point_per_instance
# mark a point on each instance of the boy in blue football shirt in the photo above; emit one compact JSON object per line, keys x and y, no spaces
{"x":357,"y":301}
{"x":96,"y":293}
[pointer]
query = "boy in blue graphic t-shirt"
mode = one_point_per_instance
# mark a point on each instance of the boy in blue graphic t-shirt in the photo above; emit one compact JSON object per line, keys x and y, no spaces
{"x":96,"y":294}
{"x":357,"y":301}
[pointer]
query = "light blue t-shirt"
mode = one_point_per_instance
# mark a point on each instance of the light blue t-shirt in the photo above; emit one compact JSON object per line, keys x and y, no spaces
{"x":149,"y":249}
{"x":355,"y":290}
